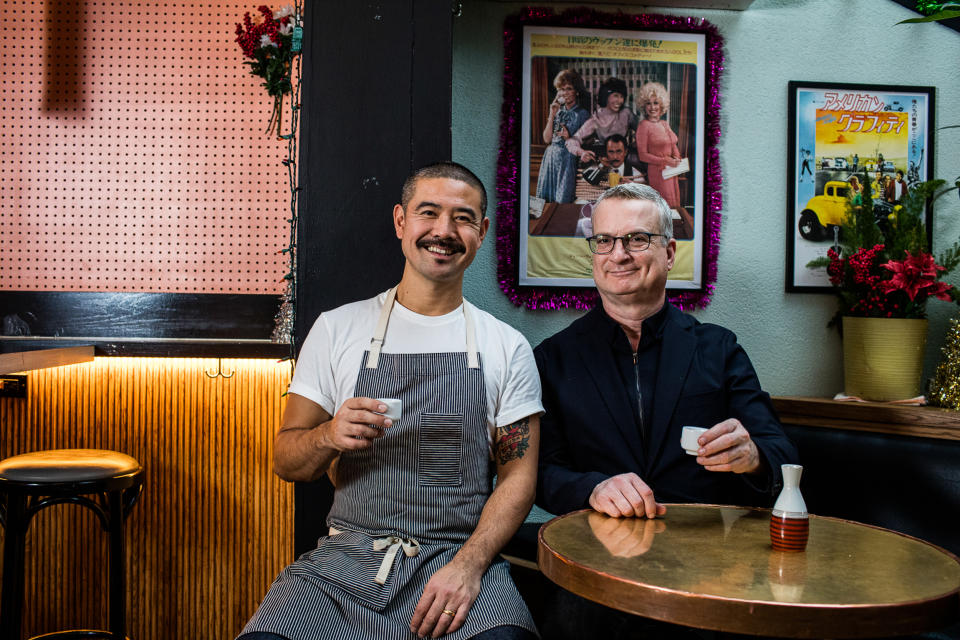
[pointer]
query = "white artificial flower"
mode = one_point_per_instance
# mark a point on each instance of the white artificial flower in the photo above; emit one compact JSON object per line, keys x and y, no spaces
{"x":283,"y":13}
{"x":265,"y":41}
{"x":287,"y":29}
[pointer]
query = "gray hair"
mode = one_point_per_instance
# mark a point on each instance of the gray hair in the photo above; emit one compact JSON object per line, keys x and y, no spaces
{"x":634,"y":191}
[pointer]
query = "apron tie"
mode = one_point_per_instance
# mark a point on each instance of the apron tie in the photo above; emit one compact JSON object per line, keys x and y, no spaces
{"x":393,"y":544}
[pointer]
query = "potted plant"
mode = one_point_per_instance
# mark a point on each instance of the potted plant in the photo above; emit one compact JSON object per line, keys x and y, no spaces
{"x":884,"y":273}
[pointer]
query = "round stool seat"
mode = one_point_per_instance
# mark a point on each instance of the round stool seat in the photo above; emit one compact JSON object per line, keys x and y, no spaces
{"x":108,"y":483}
{"x":67,"y":465}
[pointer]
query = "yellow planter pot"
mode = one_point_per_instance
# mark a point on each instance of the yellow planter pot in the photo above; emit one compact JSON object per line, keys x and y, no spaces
{"x":883,"y":357}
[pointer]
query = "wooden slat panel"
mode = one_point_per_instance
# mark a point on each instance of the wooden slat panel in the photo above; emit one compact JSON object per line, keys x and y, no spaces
{"x":214,"y":525}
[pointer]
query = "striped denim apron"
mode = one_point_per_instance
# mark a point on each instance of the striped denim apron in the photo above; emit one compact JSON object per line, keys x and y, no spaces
{"x":402,"y":509}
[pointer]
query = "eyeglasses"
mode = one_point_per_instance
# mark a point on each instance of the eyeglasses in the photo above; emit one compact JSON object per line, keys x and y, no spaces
{"x":632,"y":242}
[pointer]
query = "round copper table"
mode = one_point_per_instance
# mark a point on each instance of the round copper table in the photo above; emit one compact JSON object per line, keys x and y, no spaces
{"x":713,"y":567}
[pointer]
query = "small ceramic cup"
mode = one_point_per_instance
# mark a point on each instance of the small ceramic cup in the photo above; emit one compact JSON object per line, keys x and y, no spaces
{"x":394,"y":407}
{"x":689,"y":437}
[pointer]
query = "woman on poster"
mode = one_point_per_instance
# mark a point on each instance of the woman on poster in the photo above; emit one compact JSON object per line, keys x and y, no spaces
{"x":610,"y":118}
{"x":558,"y":170}
{"x":657,"y":146}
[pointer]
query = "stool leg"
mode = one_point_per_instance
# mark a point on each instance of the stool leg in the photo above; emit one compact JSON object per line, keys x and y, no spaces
{"x":118,"y":574}
{"x":11,"y":599}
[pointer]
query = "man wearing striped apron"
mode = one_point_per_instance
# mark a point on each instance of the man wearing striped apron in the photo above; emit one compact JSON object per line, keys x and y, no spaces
{"x":410,"y":401}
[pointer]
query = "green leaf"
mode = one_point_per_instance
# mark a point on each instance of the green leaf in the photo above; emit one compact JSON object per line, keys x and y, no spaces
{"x":950,"y":258}
{"x":934,"y":17}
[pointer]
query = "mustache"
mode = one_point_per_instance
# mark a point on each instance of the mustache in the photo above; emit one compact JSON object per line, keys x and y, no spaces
{"x":450,"y":245}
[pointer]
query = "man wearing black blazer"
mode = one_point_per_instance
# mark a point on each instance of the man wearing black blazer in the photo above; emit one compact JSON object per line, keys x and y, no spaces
{"x":621,"y":382}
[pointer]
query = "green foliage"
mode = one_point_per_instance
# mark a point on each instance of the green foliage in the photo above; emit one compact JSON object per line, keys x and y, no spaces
{"x":908,"y":232}
{"x":905,"y":230}
{"x":883,"y":266}
{"x":860,"y":228}
{"x":935,"y":17}
{"x":938,"y":11}
{"x":950,"y":258}
{"x":273,"y":64}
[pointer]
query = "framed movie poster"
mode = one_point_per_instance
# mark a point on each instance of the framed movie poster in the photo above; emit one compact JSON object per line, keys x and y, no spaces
{"x":842,"y":138}
{"x":600,"y":107}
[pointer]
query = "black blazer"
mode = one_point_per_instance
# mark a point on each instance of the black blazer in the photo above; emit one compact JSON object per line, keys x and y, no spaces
{"x":588,"y":433}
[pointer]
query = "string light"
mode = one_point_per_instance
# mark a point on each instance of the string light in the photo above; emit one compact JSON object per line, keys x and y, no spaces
{"x":284,"y":320}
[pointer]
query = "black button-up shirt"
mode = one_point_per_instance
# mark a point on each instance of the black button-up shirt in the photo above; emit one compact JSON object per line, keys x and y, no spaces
{"x":638,"y":371}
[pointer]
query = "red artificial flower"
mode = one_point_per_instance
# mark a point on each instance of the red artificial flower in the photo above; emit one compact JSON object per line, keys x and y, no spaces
{"x":939,"y":290}
{"x":915,"y":275}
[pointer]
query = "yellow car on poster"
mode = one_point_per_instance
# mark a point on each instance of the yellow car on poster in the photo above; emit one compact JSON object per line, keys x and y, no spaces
{"x":824,"y":213}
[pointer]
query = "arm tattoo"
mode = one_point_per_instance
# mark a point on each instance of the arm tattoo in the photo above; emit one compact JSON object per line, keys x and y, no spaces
{"x":513,"y":441}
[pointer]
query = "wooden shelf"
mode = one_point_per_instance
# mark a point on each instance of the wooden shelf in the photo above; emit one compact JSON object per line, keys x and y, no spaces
{"x":43,"y":358}
{"x":920,"y":422}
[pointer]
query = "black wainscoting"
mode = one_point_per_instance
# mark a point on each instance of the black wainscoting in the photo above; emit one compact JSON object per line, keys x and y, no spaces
{"x":141,"y":324}
{"x":376,"y":98}
{"x":904,"y":483}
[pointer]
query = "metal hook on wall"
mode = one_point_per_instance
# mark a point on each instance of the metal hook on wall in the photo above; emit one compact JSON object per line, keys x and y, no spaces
{"x":219,"y":372}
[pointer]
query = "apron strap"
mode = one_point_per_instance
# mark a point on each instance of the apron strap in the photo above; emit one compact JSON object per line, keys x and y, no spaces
{"x":376,"y":342}
{"x":473,"y":357}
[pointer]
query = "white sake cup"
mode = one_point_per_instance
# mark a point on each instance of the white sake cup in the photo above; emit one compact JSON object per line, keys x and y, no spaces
{"x":394,"y":407}
{"x":689,"y":437}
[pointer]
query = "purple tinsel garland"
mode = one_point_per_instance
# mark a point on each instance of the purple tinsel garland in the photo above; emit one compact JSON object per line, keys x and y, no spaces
{"x":508,"y":163}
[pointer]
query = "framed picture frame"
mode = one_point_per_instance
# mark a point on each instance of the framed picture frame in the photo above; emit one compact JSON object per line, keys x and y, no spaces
{"x":559,"y":153}
{"x":837,"y":131}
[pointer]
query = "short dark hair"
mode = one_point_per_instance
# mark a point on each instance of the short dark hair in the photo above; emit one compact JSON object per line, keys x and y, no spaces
{"x":611,"y":85}
{"x":450,"y":170}
{"x":616,"y":137}
{"x":899,"y":173}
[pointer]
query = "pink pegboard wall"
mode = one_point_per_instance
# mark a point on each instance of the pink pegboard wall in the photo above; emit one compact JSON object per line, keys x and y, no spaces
{"x":133,"y":155}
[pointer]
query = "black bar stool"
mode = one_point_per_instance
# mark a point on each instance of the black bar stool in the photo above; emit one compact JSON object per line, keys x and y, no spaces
{"x":106,"y":482}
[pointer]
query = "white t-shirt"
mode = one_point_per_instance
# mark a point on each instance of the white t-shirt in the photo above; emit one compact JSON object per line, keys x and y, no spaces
{"x":331,"y":356}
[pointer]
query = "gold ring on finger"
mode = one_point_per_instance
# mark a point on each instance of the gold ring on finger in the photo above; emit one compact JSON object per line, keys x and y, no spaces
{"x":450,"y":613}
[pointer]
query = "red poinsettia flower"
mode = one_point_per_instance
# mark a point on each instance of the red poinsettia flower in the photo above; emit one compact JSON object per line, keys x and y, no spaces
{"x":915,"y":275}
{"x":940,"y":290}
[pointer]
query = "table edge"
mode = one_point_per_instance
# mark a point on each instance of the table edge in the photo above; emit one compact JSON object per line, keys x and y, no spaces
{"x":765,"y":616}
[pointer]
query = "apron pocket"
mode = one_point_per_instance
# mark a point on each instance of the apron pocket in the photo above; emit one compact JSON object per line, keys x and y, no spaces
{"x":440,"y":449}
{"x":347,"y":560}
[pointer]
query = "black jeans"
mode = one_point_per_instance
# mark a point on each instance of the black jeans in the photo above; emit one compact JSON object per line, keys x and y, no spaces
{"x":582,"y":619}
